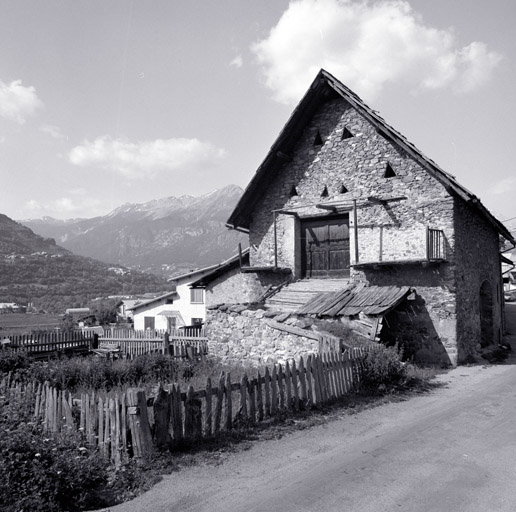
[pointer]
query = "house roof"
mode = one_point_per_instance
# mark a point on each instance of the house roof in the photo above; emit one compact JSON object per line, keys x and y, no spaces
{"x":325,"y":87}
{"x":226,"y":265}
{"x":355,"y":299}
{"x":190,"y":275}
{"x":151,"y":301}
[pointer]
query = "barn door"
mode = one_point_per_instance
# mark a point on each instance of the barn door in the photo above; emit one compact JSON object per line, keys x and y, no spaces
{"x":325,"y":247}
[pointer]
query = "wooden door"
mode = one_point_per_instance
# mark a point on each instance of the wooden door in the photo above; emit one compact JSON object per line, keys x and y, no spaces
{"x":325,"y":247}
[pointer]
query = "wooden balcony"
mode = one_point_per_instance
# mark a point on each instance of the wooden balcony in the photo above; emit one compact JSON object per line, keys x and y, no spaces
{"x":435,"y":253}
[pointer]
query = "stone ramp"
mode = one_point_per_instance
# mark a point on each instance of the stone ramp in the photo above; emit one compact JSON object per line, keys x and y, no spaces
{"x":294,"y":295}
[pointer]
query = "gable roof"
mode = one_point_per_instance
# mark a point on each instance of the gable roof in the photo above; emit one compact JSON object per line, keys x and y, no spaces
{"x":224,"y":267}
{"x":151,"y":301}
{"x":323,"y":88}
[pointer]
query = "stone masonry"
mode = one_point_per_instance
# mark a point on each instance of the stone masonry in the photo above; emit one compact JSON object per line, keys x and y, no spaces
{"x":448,"y":293}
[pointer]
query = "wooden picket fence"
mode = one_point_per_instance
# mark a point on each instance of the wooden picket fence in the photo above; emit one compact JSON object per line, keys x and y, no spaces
{"x":133,"y":425}
{"x":43,"y":345}
{"x":179,"y":343}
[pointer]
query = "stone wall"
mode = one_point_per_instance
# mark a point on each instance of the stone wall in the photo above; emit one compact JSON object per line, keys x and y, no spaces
{"x":477,"y":262}
{"x":235,"y":287}
{"x":240,"y":334}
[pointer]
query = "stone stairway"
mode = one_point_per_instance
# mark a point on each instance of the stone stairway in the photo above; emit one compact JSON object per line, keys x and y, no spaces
{"x":294,"y":295}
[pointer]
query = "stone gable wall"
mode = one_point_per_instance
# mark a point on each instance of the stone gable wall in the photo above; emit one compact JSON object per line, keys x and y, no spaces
{"x":358,"y":164}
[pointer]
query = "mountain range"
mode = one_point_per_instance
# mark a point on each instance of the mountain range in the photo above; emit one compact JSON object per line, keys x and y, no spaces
{"x":36,"y":270}
{"x":164,"y":236}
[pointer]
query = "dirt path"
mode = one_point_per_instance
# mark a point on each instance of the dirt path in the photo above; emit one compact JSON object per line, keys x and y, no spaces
{"x":451,"y":450}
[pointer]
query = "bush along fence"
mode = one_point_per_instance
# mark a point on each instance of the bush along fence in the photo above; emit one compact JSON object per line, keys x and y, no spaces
{"x":179,"y":343}
{"x":134,"y":425}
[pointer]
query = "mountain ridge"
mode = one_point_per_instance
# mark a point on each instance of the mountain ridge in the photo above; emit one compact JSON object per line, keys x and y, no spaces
{"x":163,"y":236}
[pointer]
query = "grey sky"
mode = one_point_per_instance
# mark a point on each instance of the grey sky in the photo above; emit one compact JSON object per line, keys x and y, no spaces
{"x":103,"y":103}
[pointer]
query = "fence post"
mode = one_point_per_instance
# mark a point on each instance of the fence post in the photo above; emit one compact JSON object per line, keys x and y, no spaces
{"x":139,"y":423}
{"x":166,"y":344}
{"x":161,"y":418}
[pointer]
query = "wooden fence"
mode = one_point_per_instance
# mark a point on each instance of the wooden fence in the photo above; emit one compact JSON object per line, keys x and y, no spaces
{"x":179,"y":343}
{"x":43,"y":345}
{"x":133,"y":425}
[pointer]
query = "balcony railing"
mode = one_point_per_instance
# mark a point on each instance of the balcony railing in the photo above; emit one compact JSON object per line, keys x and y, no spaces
{"x":435,"y":246}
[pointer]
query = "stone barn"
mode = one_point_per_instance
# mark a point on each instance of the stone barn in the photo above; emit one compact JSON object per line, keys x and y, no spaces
{"x":348,"y":221}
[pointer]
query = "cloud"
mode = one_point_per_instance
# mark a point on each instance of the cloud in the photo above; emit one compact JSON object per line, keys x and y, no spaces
{"x":64,"y":207}
{"x":503,"y":186}
{"x":18,"y":102}
{"x":145,"y":159}
{"x":237,"y":62}
{"x":367,"y":45}
{"x":54,"y":131}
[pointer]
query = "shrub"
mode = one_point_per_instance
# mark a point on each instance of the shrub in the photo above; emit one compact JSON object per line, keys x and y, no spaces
{"x":44,"y":472}
{"x":11,"y":360}
{"x":381,"y":366}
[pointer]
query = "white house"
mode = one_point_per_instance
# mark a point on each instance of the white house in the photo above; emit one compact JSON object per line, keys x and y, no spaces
{"x":183,"y":307}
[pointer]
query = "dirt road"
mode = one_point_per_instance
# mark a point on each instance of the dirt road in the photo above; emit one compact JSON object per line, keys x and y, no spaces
{"x":451,"y":450}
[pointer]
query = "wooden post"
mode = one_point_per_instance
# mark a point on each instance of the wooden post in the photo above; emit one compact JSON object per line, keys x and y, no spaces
{"x":166,"y":344}
{"x":161,"y":419}
{"x":101,"y":425}
{"x":281,"y":387}
{"x":177,"y":418}
{"x":274,"y":219}
{"x":302,"y":382}
{"x":139,"y":423}
{"x":252,"y":406}
{"x":228,"y":424}
{"x":243,"y":397}
{"x":208,"y":416}
{"x":267,"y":388}
{"x":274,"y":395}
{"x":193,"y":416}
{"x":220,"y":399}
{"x":295,"y":390}
{"x":288,"y":386}
{"x":259,"y":397}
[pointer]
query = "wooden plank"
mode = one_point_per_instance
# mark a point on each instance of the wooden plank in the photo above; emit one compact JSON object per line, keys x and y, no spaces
{"x":228,"y":424}
{"x":310,"y":391}
{"x":193,"y":416}
{"x":267,"y":391}
{"x":259,"y":397}
{"x":281,"y":387}
{"x":100,"y":436}
{"x":243,"y":397}
{"x":274,"y":393}
{"x":302,"y":404}
{"x":252,"y":401}
{"x":288,"y":386}
{"x":161,"y":419}
{"x":208,"y":414}
{"x":220,"y":400}
{"x":295,"y":388}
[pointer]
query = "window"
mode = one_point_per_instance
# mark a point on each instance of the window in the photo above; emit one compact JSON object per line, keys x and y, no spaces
{"x":148,"y":322}
{"x":389,"y":171}
{"x":318,"y":139}
{"x":196,"y":295}
{"x":293,"y":191}
{"x":197,"y":321}
{"x":343,"y":189}
{"x":346,"y":134}
{"x":324,"y":193}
